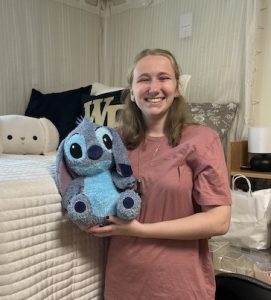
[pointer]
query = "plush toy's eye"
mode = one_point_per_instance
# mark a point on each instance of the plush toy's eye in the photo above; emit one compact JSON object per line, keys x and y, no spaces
{"x":76,"y":150}
{"x":35,"y":137}
{"x":9,"y":137}
{"x":104,"y":137}
{"x":107,"y":141}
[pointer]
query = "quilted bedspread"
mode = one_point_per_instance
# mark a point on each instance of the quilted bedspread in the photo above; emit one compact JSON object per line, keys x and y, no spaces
{"x":42,"y":254}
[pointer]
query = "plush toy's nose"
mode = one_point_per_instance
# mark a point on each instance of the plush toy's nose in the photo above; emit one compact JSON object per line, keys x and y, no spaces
{"x":95,"y":152}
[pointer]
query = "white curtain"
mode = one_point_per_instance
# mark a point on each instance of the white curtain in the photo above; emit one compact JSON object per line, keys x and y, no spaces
{"x":247,"y":74}
{"x":44,"y":45}
{"x":51,"y":46}
{"x":261,"y":62}
{"x":219,"y":55}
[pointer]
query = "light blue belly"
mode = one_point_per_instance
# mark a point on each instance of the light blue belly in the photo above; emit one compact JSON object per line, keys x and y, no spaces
{"x":102,"y":194}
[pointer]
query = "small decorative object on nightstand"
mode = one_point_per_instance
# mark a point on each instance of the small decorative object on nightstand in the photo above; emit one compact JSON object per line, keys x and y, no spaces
{"x":259,"y":145}
{"x":238,"y":161}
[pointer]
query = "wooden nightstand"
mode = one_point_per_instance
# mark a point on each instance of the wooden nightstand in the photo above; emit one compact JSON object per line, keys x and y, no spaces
{"x":237,"y":156}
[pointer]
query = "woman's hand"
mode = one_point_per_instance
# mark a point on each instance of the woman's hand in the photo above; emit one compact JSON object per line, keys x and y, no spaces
{"x":116,"y":226}
{"x":213,"y":220}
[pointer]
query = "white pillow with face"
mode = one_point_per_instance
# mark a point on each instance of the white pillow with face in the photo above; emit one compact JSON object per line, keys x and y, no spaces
{"x":26,"y":135}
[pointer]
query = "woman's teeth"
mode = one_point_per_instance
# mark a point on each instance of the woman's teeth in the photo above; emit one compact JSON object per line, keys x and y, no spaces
{"x":154,"y":100}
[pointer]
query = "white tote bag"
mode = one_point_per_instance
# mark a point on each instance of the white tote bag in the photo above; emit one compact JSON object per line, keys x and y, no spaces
{"x":250,"y":217}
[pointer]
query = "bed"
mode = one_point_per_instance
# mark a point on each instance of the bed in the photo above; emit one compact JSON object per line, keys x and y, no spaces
{"x":42,"y":254}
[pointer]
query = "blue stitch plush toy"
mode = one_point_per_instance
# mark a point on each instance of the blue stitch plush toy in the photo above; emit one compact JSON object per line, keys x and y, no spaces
{"x":94,"y":176}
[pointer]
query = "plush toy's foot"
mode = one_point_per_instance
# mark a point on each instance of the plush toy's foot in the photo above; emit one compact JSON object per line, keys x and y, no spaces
{"x":128,"y":206}
{"x":79,"y":210}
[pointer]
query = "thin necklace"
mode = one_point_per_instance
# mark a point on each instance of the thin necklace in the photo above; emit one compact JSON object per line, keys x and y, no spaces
{"x":139,"y":180}
{"x":156,"y":150}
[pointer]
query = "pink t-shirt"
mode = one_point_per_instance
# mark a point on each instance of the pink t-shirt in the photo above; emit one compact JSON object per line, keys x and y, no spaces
{"x":175,"y":183}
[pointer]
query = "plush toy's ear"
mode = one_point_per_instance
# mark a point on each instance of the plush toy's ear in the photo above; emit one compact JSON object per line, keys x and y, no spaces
{"x":51,"y":135}
{"x":123,"y":166}
{"x":63,"y":177}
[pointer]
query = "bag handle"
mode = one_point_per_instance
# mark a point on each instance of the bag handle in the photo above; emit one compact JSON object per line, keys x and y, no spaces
{"x":235,"y":177}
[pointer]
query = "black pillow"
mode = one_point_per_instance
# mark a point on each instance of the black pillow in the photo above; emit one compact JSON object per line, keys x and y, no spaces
{"x":103,"y":109}
{"x":62,"y":108}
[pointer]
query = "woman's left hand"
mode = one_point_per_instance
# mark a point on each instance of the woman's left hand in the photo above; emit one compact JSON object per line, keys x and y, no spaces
{"x":116,"y":226}
{"x":211,"y":221}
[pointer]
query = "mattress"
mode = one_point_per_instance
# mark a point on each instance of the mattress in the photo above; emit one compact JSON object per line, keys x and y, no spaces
{"x":42,"y":254}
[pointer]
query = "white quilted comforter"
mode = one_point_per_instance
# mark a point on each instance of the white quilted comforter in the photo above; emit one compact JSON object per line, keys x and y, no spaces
{"x":42,"y":254}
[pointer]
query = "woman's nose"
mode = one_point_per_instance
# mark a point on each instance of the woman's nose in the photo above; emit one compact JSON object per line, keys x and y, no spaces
{"x":154,"y":86}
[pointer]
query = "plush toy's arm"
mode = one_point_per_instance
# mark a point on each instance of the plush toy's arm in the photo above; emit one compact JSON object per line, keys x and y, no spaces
{"x":123,"y":182}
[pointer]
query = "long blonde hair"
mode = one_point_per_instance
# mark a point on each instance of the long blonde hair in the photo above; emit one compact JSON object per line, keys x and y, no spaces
{"x":132,"y":125}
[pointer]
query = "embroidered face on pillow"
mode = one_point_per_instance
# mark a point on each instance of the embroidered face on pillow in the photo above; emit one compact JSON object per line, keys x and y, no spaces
{"x":26,"y":135}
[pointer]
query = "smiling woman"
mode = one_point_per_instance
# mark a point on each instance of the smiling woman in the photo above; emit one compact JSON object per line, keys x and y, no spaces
{"x":185,"y":197}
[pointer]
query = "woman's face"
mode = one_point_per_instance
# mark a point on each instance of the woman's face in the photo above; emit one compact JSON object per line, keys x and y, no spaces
{"x":154,"y":86}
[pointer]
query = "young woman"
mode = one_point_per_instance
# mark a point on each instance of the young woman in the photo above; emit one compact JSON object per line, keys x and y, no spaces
{"x":163,"y":255}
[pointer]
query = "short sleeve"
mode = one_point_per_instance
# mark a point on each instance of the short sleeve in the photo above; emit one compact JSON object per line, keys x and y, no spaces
{"x":211,"y":185}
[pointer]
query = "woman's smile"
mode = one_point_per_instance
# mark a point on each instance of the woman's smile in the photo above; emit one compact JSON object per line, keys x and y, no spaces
{"x":154,"y":100}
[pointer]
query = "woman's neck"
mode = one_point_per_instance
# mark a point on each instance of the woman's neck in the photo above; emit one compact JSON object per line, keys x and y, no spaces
{"x":155,"y":128}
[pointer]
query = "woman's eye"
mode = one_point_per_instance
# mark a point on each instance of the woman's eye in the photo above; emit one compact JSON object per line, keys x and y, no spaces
{"x":164,"y":78}
{"x":143,"y":79}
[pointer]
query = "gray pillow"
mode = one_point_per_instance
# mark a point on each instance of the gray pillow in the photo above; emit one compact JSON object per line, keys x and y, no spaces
{"x":217,"y":116}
